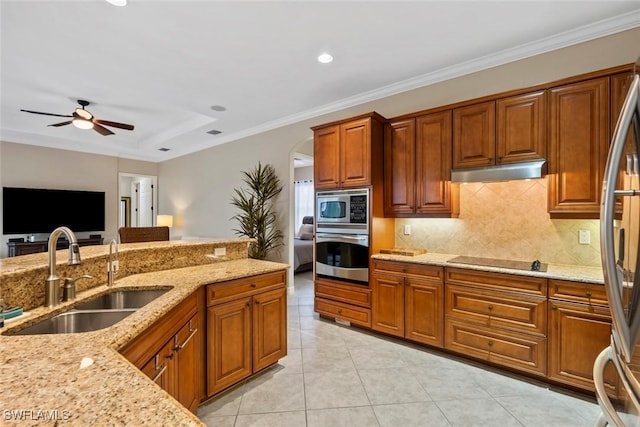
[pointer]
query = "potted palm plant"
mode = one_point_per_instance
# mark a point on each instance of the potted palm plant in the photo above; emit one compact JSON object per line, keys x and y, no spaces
{"x":257,"y":218}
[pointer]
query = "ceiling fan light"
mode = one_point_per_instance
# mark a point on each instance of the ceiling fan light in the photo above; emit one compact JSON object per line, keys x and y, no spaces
{"x":82,"y":124}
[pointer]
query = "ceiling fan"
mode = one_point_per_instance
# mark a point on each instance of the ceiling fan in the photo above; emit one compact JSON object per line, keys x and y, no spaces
{"x":83,"y":119}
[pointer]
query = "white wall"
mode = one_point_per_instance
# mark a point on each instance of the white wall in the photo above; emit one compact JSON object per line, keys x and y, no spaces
{"x":32,"y":166}
{"x":303,"y":174}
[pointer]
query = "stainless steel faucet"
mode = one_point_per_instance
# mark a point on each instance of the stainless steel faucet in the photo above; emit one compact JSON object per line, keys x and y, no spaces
{"x":112,"y":267}
{"x":52,"y":284}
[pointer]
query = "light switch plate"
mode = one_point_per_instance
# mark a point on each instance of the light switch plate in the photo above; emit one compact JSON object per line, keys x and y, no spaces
{"x":407,"y":229}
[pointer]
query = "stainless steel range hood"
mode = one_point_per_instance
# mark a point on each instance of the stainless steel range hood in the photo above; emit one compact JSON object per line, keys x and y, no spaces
{"x":506,"y":172}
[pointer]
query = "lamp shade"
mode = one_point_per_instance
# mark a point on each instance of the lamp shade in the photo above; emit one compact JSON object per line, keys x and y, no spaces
{"x":164,"y":221}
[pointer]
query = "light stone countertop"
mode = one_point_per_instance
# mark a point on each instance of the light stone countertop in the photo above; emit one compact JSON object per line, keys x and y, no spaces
{"x":41,"y":374}
{"x":575,"y":273}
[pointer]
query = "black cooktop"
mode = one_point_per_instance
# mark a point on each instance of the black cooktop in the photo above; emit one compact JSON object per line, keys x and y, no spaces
{"x":501,"y":263}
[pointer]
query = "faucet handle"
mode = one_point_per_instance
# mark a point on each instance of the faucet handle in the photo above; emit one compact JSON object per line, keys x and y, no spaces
{"x":69,"y":287}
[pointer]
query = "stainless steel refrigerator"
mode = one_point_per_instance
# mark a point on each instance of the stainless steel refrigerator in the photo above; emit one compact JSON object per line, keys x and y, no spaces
{"x":619,"y":237}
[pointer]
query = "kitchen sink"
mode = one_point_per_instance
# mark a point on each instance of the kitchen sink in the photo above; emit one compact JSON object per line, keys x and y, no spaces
{"x":96,"y":313}
{"x":76,"y":321}
{"x":118,"y":300}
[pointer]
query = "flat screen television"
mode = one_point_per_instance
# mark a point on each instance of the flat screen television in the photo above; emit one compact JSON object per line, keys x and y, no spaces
{"x":36,"y":210}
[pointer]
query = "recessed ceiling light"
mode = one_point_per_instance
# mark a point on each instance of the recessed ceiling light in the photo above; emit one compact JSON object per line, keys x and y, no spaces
{"x":325,"y":58}
{"x":118,"y":2}
{"x":164,"y":149}
{"x":214,"y":132}
{"x":218,"y":108}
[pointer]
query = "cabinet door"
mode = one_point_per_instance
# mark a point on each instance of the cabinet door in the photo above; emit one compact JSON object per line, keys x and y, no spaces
{"x":433,"y":163}
{"x":187,"y":355}
{"x":228,"y":344}
{"x":160,"y":368}
{"x":579,"y":140}
{"x":355,"y":153}
{"x":423,"y":311}
{"x":521,"y":128}
{"x":474,"y":135}
{"x":326,"y":154}
{"x":388,"y":303}
{"x":269,"y":328}
{"x":399,"y":168}
{"x":577,"y":334}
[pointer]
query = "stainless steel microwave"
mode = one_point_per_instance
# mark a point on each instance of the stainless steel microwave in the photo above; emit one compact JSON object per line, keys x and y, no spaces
{"x":343,"y":211}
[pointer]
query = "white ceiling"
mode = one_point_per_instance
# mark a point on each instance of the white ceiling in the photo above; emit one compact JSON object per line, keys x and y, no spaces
{"x":161,"y":65}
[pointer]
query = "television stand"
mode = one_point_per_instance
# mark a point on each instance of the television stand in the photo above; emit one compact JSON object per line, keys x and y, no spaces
{"x":25,"y":248}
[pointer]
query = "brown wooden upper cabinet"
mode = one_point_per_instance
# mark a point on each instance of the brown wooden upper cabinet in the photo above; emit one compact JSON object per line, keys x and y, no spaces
{"x":578,"y":146}
{"x":507,"y":130}
{"x":417,"y":167}
{"x":345,"y":153}
{"x":474,"y":135}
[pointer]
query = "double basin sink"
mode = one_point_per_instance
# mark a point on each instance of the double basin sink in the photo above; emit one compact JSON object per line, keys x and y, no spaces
{"x":96,"y":313}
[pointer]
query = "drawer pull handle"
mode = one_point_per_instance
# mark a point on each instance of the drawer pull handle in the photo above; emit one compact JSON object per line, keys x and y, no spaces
{"x":490,"y":307}
{"x":490,"y":343}
{"x":339,"y":311}
{"x":159,"y":374}
{"x":553,"y":307}
{"x":253,"y":285}
{"x":181,"y":346}
{"x":170,"y":356}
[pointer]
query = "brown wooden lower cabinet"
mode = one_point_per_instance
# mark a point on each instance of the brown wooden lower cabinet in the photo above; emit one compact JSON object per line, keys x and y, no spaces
{"x":245,"y":334}
{"x":170,"y":352}
{"x":343,"y":301}
{"x":521,"y":351}
{"x":408,"y":302}
{"x":578,"y":333}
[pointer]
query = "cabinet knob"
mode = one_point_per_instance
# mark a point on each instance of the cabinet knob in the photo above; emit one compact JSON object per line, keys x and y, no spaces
{"x":253,"y":286}
{"x":490,"y":343}
{"x":588,"y":294}
{"x":339,"y":311}
{"x":553,"y":307}
{"x":490,"y":307}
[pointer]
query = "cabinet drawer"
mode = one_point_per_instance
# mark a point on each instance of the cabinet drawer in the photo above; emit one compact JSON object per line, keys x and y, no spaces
{"x":498,"y":281}
{"x":357,"y":315}
{"x":515,"y":350}
{"x":497,"y":309}
{"x":427,"y":272}
{"x":350,"y":294}
{"x":588,"y":293}
{"x":218,"y":293}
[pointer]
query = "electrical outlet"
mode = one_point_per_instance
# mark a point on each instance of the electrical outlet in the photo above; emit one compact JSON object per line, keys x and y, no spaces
{"x":220,"y":251}
{"x":584,"y":237}
{"x":407,"y":229}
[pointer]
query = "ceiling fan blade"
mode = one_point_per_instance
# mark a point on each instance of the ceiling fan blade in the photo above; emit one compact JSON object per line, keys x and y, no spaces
{"x":61,"y":124}
{"x":102,"y":130}
{"x":46,"y":114}
{"x":113,"y":124}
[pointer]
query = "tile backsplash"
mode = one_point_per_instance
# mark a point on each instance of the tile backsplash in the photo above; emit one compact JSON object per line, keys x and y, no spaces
{"x":507,"y":220}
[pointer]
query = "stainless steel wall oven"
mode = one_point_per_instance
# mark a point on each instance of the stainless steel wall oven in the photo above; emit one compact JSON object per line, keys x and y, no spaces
{"x":342,"y":235}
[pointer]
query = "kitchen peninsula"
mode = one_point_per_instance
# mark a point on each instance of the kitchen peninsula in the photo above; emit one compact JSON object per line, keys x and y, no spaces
{"x":82,"y":378}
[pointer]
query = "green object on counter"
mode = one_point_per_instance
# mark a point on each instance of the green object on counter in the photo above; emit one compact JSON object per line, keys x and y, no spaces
{"x":11,"y":312}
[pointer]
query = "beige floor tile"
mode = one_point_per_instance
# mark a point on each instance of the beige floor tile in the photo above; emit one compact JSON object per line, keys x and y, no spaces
{"x":278,"y":419}
{"x":376,"y":356}
{"x":546,"y":410}
{"x":226,"y":404}
{"x":219,"y":421}
{"x":274,"y":392}
{"x":410,"y":415}
{"x":477,"y":413}
{"x":444,"y":383}
{"x":327,"y":390}
{"x":362,"y":416}
{"x":323,"y":360}
{"x":292,"y":362}
{"x":392,"y":386}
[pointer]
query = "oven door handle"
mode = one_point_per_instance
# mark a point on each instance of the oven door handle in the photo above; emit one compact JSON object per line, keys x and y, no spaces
{"x":357,"y":239}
